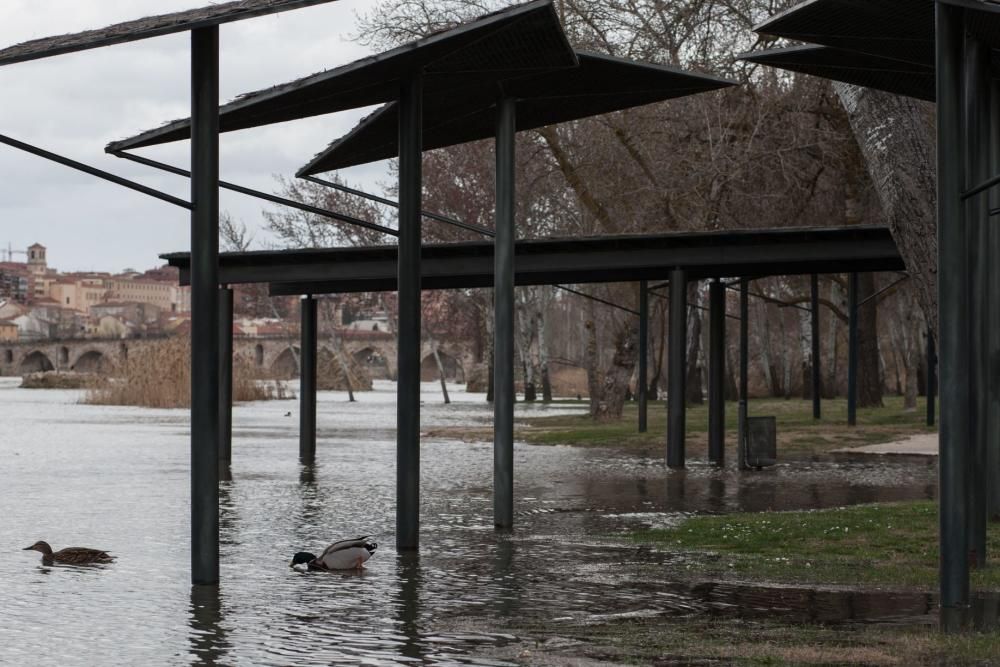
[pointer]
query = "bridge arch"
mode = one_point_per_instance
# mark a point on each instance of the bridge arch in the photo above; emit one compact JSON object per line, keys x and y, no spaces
{"x":452,"y":366}
{"x":375,"y":361}
{"x":286,"y":365}
{"x":63,"y":356}
{"x":258,"y":355}
{"x":91,"y":361}
{"x":36,"y":362}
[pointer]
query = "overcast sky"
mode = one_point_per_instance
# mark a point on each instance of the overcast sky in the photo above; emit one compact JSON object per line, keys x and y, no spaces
{"x":74,"y":104}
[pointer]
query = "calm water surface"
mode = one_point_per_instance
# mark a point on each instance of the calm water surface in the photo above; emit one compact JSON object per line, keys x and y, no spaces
{"x":117,"y":479}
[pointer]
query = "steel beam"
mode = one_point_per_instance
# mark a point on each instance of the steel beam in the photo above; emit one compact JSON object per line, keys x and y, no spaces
{"x":815,"y":369}
{"x":953,"y":318}
{"x":408,"y":365}
{"x":717,"y":373}
{"x":677,"y":369}
{"x":741,"y":433}
{"x":978,"y":82}
{"x":852,"y":349}
{"x":308,"y":354}
{"x":204,"y":306}
{"x":225,"y":381}
{"x":642,"y":384}
{"x":993,"y":328}
{"x":503,"y":318}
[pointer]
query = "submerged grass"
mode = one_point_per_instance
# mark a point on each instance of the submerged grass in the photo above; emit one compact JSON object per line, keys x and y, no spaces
{"x":891,"y":544}
{"x":799,"y":435}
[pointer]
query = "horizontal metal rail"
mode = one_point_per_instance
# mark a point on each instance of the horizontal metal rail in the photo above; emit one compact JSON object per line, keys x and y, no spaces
{"x":769,"y":299}
{"x":985,"y":185}
{"x":388,"y":202}
{"x":94,"y":171}
{"x":883,"y":290}
{"x":691,"y":305}
{"x":291,"y":203}
{"x":597,"y":299}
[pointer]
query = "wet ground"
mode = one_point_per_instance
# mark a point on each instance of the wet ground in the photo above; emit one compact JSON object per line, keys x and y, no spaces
{"x":117,"y":479}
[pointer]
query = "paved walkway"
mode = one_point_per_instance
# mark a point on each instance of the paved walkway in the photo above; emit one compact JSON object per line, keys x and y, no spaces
{"x":925,"y":444}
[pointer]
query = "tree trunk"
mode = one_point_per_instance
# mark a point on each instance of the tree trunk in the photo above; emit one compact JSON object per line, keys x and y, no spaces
{"x":543,"y":358}
{"x":869,"y":375}
{"x":614,"y":381}
{"x":437,"y":360}
{"x":695,"y":389}
{"x":896,"y":137}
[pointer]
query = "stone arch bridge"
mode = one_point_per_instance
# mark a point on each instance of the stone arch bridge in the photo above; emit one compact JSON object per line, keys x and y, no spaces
{"x":375,"y":350}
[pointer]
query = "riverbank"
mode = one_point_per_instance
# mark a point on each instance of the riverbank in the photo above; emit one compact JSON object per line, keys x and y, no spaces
{"x":799,"y":435}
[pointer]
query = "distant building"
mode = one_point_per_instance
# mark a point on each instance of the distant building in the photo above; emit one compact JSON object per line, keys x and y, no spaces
{"x":8,"y":331}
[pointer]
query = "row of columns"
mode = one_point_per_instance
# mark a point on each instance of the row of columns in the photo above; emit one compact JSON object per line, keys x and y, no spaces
{"x":677,"y":365}
{"x":968,"y":154}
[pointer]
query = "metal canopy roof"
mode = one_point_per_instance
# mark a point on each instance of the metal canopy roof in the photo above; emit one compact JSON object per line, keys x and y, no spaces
{"x":555,"y":261}
{"x":514,"y":42}
{"x":600,"y":84}
{"x":151,"y":26}
{"x":894,"y":76}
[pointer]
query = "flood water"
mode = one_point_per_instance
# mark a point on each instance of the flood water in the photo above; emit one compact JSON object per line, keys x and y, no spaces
{"x":117,"y":479}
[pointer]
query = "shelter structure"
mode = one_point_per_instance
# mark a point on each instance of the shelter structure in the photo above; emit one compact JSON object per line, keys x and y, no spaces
{"x":743,"y":255}
{"x":203,"y":24}
{"x":901,"y":46}
{"x":507,"y":71}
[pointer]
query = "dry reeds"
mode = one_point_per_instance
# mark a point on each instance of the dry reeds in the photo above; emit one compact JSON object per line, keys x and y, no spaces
{"x":158,"y":375}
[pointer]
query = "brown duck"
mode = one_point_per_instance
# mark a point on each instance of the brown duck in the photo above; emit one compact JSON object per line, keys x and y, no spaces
{"x":70,"y":555}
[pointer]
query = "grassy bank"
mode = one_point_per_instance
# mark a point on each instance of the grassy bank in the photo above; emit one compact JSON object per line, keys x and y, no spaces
{"x":892,"y":545}
{"x":799,"y":435}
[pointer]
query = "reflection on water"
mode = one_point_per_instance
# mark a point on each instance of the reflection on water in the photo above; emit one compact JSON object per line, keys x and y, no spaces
{"x":117,"y":478}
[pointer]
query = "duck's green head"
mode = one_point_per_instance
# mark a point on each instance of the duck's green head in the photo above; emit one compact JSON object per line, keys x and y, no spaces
{"x":302,"y":558}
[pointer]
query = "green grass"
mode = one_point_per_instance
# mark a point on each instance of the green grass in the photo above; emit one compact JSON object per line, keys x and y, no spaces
{"x":799,"y":435}
{"x":892,"y":545}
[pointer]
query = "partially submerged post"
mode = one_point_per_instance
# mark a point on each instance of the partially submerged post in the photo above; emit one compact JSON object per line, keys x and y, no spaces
{"x":503,"y":317}
{"x":677,"y":369}
{"x":308,"y":363}
{"x":411,"y":97}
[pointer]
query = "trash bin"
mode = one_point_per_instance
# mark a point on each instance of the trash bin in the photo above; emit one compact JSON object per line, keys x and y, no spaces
{"x":761,"y":442}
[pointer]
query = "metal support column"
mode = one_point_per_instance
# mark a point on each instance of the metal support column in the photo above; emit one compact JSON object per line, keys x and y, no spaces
{"x":817,"y":386}
{"x":642,"y":384}
{"x":717,"y":373}
{"x":225,"y":380}
{"x":993,"y":328}
{"x":978,"y":83}
{"x":677,"y":369}
{"x":741,"y":430}
{"x":204,"y":306}
{"x":408,"y":366}
{"x":852,"y":349}
{"x":308,"y":352}
{"x":503,"y":318}
{"x":953,"y":317}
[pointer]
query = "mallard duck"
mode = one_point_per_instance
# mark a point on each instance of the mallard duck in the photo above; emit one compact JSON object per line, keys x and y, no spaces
{"x":342,"y":555}
{"x":70,"y":555}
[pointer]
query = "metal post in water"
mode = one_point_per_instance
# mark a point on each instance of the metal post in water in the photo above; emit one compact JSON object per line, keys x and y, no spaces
{"x":408,"y":366}
{"x":642,"y":384}
{"x":503,"y":317}
{"x":816,"y":360}
{"x":978,"y":83}
{"x":852,"y":350}
{"x":225,"y":380}
{"x":309,"y":345}
{"x":741,"y":433}
{"x":677,"y":369}
{"x":204,"y":306}
{"x":953,"y":318}
{"x":717,"y":373}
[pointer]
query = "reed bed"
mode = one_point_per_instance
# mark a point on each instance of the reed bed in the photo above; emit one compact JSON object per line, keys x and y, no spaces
{"x":158,"y":375}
